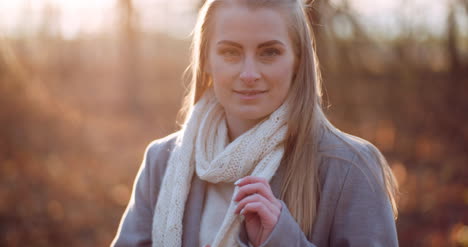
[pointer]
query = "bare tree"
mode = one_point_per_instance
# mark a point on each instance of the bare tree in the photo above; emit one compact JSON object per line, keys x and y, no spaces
{"x":129,"y":54}
{"x":452,"y":38}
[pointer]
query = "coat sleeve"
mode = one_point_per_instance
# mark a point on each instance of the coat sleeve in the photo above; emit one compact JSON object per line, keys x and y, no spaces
{"x":362,"y":216}
{"x":136,"y":223}
{"x":285,"y":233}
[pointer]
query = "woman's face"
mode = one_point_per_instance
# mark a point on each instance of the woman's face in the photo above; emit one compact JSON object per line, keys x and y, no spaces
{"x":251,"y":61}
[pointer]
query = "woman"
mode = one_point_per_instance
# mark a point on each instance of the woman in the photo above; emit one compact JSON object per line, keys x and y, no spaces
{"x":256,"y":162}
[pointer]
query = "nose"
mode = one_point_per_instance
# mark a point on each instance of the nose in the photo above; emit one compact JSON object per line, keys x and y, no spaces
{"x":249,"y":73}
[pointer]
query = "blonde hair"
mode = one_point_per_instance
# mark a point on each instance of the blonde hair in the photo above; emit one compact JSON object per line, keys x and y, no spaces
{"x":302,"y":155}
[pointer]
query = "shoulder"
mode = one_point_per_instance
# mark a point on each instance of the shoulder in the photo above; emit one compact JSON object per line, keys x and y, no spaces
{"x":341,"y":145}
{"x":353,"y":198}
{"x":349,"y":157}
{"x":157,"y":154}
{"x":161,"y":146}
{"x":153,"y":168}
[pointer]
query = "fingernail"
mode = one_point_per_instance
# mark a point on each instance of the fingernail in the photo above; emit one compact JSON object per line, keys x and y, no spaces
{"x":242,"y":212}
{"x":238,"y":181}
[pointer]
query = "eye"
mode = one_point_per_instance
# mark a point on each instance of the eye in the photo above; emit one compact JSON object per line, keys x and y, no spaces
{"x":229,"y":52}
{"x":270,"y":52}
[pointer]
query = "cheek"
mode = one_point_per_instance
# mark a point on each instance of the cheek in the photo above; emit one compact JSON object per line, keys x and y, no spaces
{"x":223,"y":76}
{"x":215,"y":68}
{"x":221,"y":82}
{"x":222,"y":86}
{"x":281,"y":76}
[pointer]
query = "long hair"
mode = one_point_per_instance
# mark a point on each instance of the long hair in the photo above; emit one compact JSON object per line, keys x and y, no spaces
{"x":300,"y":186}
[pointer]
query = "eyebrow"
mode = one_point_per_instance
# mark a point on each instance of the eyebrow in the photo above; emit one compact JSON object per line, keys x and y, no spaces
{"x":264,"y":44}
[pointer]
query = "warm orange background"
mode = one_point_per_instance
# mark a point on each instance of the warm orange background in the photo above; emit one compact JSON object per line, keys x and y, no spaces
{"x":77,"y":112}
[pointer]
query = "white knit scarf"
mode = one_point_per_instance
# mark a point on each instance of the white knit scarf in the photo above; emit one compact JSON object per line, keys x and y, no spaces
{"x":203,"y":145}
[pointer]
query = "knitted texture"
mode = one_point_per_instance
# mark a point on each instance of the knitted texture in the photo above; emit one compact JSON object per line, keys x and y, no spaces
{"x":203,"y":146}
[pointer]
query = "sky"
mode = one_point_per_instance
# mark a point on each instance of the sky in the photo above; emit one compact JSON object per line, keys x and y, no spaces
{"x":177,"y":17}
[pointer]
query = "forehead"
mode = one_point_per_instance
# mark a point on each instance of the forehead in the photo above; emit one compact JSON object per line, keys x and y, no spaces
{"x":246,"y":25}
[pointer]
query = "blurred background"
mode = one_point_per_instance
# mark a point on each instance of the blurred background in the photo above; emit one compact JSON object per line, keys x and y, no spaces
{"x":86,"y":85}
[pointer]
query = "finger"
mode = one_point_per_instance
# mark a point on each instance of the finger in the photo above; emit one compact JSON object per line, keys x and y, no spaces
{"x":258,"y":188}
{"x":251,"y":180}
{"x":257,"y":198}
{"x":266,"y":217}
{"x":254,"y":179}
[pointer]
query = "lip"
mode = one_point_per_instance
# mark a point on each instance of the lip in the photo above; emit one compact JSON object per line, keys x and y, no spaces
{"x":250,"y":94}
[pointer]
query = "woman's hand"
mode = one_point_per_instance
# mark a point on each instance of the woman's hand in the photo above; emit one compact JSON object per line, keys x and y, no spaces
{"x":259,"y":206}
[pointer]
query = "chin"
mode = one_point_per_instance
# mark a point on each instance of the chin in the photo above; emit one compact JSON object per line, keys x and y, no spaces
{"x":251,"y":114}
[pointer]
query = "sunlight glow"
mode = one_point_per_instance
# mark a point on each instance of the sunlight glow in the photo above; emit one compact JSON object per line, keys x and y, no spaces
{"x":70,"y":18}
{"x":88,"y":16}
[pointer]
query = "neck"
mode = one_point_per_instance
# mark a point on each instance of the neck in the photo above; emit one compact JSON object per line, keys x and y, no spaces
{"x":237,"y":127}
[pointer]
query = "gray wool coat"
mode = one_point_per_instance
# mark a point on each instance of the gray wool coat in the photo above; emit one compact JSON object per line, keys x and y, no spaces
{"x":353,"y":209}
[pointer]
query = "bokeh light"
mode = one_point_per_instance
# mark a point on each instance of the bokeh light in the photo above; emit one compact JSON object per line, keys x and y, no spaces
{"x":86,"y":85}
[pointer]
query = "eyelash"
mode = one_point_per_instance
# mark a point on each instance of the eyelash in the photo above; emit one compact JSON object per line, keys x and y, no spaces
{"x":229,"y":52}
{"x":267,"y":53}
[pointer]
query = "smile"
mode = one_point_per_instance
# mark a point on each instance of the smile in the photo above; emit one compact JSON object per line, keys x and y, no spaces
{"x":249,"y":94}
